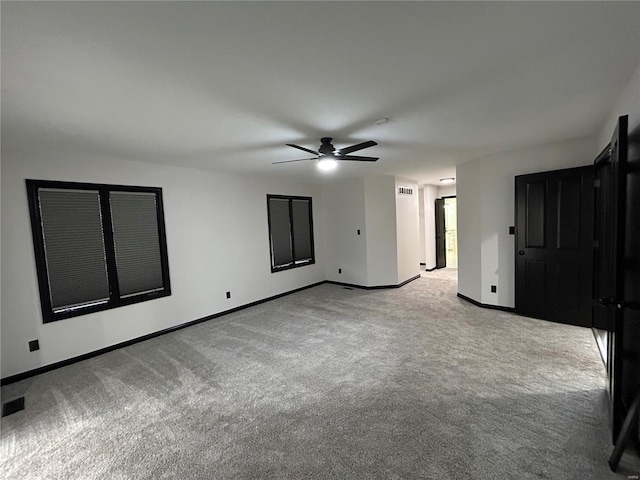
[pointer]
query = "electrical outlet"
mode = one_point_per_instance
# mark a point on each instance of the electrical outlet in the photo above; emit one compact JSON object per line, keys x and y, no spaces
{"x":12,"y":406}
{"x":512,"y":230}
{"x":494,"y":288}
{"x":228,"y":294}
{"x":339,"y":270}
{"x":34,"y":345}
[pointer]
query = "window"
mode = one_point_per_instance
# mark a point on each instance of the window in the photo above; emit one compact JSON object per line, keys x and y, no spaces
{"x":290,"y":231}
{"x":97,"y":246}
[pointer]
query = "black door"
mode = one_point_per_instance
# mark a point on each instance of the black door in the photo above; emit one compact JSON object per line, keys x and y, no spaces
{"x":441,"y":251}
{"x":630,"y":342}
{"x":607,"y":267}
{"x":554,"y":245}
{"x":616,"y":287}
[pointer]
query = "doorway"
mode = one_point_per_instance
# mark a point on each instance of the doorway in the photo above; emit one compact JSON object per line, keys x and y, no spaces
{"x":446,"y":232}
{"x":450,"y":232}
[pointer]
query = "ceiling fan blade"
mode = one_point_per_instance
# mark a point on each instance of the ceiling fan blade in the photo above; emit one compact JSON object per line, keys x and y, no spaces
{"x":357,"y":158}
{"x":355,"y":148}
{"x":298,"y":160}
{"x":302,"y":148}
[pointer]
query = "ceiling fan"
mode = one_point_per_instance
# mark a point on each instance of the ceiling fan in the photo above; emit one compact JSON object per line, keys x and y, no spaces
{"x":327,"y":155}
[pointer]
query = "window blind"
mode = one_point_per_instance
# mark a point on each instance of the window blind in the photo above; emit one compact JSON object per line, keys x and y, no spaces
{"x":74,"y":247}
{"x":301,"y":214}
{"x":280,"y":232}
{"x":136,"y":243}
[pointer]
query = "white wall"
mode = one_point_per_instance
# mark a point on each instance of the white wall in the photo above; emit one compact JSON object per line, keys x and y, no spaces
{"x":469,"y":205}
{"x":447,"y":191}
{"x":486,"y":202}
{"x":628,"y":104}
{"x":421,"y":226}
{"x":387,"y":250}
{"x":344,"y":214}
{"x":217,"y":238}
{"x":380,"y":215}
{"x":407,"y":230}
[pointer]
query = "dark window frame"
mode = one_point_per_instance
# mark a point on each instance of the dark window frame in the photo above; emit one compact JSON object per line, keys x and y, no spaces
{"x":48,"y":314}
{"x":312,"y":260}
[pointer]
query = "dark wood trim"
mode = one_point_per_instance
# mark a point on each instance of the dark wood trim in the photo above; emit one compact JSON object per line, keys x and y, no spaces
{"x":38,"y":248}
{"x":604,"y":155}
{"x":374,"y":287}
{"x":430,"y":269}
{"x":290,"y":199}
{"x":47,"y":368}
{"x":109,"y":246}
{"x":486,"y":305}
{"x":423,"y":264}
{"x":103,"y":190}
{"x":407,"y":281}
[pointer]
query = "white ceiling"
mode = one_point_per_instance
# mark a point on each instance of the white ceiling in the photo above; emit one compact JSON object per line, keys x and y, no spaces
{"x":224,"y":85}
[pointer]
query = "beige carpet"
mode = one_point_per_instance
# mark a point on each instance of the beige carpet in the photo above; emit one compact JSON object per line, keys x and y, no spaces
{"x":327,"y":383}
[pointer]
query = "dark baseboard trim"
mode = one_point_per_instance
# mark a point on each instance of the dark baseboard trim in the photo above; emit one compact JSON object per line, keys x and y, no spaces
{"x":375,"y":287}
{"x":486,"y":305}
{"x":47,"y":368}
{"x":423,"y":264}
{"x":430,"y":269}
{"x":408,"y":281}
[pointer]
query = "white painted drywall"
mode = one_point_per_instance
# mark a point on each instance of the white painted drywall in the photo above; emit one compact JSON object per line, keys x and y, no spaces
{"x":387,"y":250}
{"x":469,"y":204}
{"x":344,"y":214}
{"x":446,"y":191}
{"x":423,"y":248}
{"x":217,"y":238}
{"x":407,"y":230}
{"x":485,"y":192}
{"x":380,"y":215}
{"x":628,"y":104}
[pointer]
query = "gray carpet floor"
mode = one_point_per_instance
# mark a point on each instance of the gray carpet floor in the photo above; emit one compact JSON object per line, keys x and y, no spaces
{"x":327,"y":383}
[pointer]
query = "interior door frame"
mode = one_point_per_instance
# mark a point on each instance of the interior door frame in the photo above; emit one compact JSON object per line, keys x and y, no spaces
{"x":441,"y":249}
{"x":614,"y":157}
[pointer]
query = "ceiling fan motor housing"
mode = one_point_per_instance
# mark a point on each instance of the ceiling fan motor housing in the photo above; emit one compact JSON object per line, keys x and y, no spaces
{"x":326,"y":148}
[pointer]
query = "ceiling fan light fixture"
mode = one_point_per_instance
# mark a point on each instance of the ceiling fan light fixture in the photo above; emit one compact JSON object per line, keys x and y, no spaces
{"x":447,"y":180}
{"x":327,"y":164}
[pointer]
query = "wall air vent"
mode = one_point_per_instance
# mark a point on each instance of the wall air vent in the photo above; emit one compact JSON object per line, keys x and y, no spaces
{"x":405,"y":191}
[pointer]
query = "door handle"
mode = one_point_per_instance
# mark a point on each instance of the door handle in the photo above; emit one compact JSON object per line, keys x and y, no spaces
{"x":521,"y":252}
{"x":606,"y":302}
